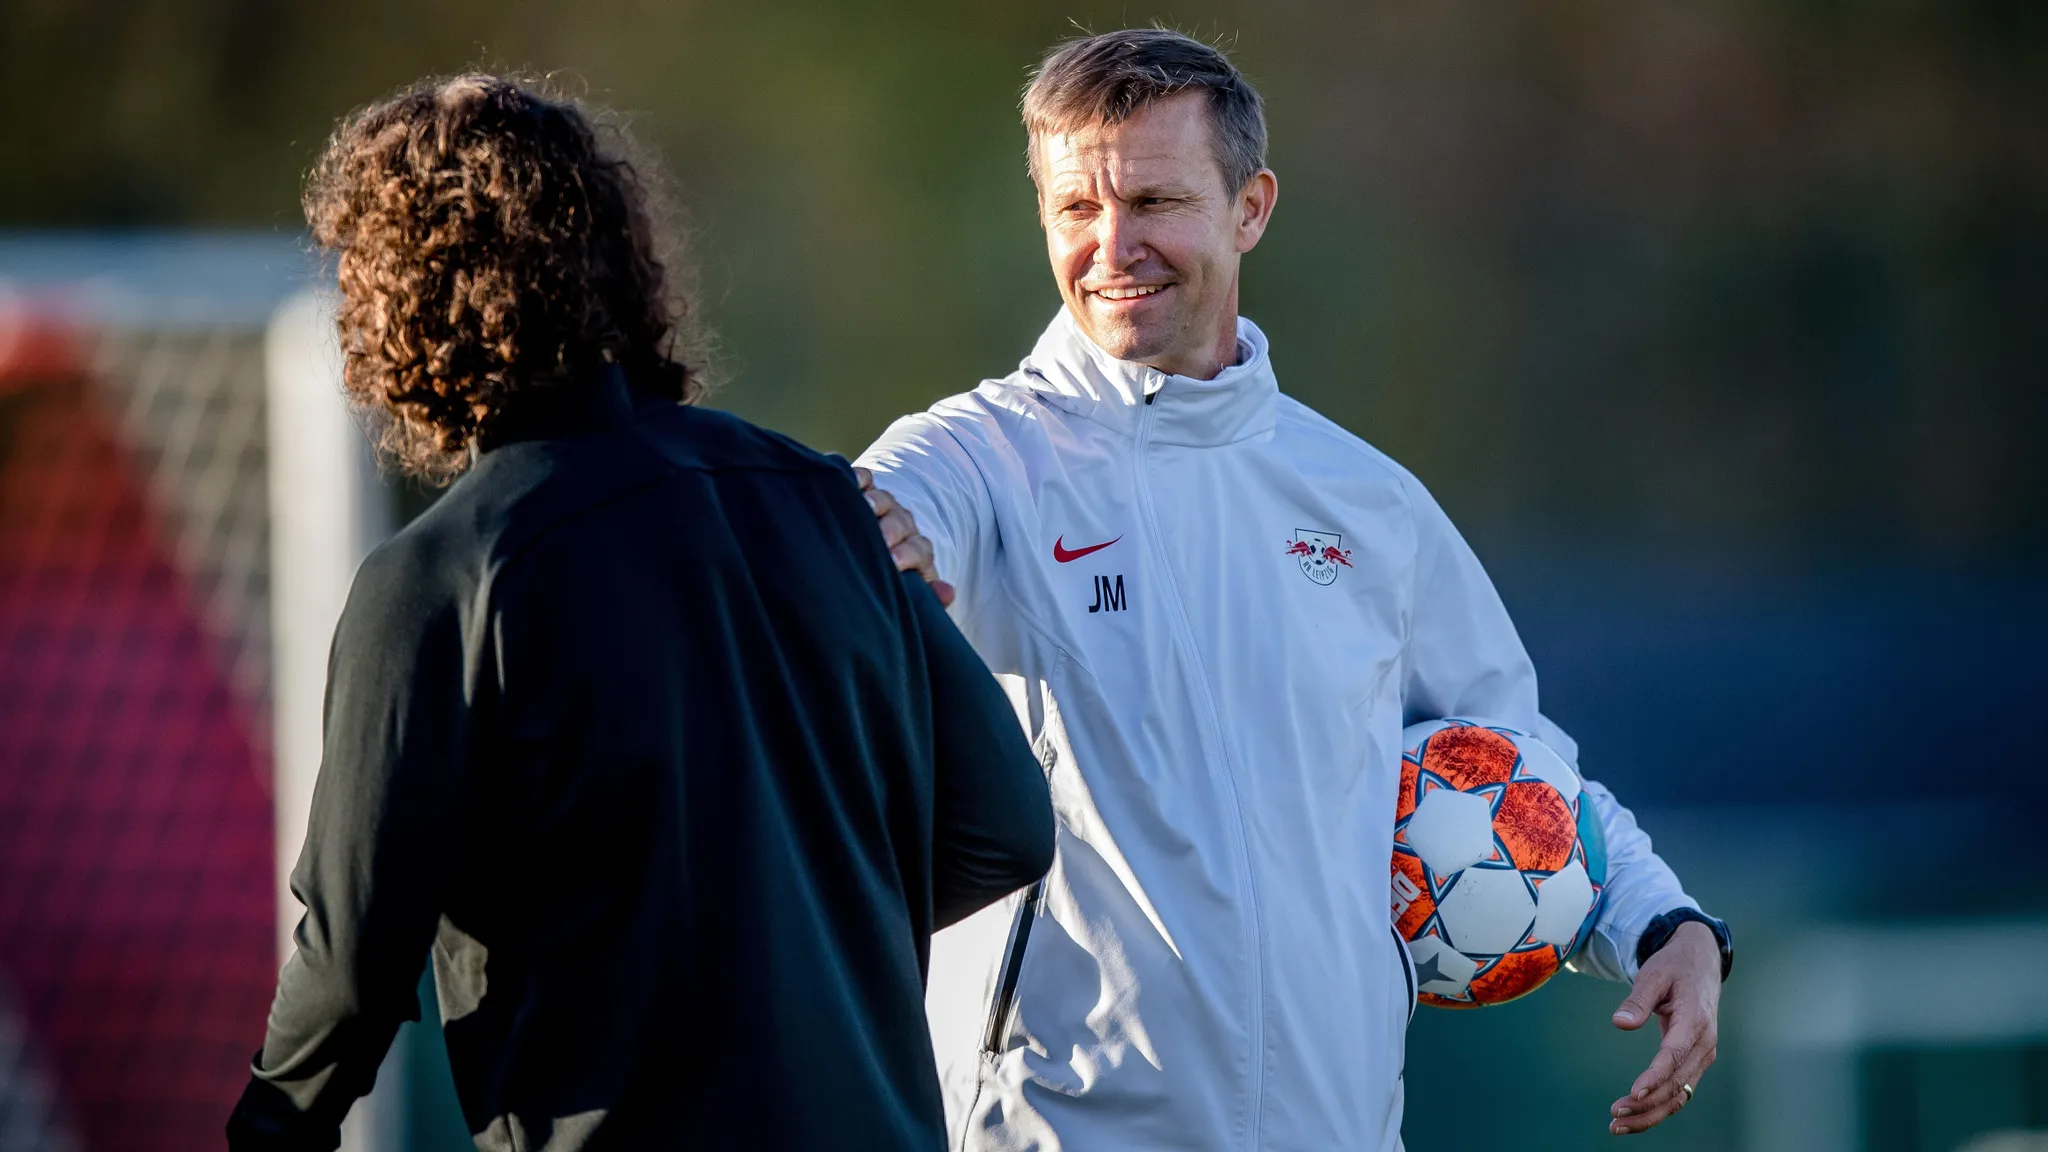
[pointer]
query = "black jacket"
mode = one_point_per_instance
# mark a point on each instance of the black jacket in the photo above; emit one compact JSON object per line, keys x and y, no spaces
{"x":640,"y":731}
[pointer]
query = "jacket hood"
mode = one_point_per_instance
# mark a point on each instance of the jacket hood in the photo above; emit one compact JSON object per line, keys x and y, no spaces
{"x":1073,"y":373}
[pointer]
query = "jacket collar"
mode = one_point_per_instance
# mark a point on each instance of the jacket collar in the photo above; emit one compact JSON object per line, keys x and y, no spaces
{"x":556,"y":409}
{"x":1071,"y":372}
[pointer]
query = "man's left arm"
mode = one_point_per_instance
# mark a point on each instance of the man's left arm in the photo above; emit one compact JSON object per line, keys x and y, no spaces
{"x":1465,"y":659}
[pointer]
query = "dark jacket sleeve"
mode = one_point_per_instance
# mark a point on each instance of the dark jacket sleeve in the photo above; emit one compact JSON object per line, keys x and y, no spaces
{"x":386,"y":823}
{"x":993,"y":819}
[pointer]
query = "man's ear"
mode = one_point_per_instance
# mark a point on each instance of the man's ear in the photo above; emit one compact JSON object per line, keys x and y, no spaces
{"x":1255,"y":208}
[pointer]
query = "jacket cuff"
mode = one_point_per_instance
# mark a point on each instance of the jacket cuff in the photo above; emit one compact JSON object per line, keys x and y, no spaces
{"x":266,"y":1119}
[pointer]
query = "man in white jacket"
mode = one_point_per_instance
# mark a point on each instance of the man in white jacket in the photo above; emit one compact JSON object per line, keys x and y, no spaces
{"x":1210,"y":963}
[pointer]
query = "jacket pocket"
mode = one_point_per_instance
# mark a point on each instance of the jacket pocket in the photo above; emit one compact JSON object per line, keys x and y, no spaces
{"x":1004,"y":1003}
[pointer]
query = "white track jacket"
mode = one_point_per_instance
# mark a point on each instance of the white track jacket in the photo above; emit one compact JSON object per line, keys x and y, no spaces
{"x":1210,"y":963}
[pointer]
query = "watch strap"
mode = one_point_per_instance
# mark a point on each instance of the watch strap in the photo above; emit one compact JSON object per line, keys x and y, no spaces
{"x":1658,"y":933}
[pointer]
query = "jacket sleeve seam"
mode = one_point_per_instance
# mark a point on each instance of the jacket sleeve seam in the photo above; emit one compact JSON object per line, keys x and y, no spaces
{"x":977,"y":605}
{"x":1414,"y":592}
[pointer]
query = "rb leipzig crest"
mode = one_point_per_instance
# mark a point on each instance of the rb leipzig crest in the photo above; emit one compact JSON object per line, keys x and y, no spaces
{"x":1320,"y":554}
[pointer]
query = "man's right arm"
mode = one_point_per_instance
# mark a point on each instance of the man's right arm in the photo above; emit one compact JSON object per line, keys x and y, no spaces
{"x":992,"y":811}
{"x":386,"y":825}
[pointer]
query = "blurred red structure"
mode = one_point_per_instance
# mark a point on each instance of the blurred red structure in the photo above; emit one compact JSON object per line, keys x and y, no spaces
{"x":135,"y":827}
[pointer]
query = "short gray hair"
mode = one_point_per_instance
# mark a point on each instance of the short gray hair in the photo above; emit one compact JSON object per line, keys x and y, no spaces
{"x":1110,"y":77}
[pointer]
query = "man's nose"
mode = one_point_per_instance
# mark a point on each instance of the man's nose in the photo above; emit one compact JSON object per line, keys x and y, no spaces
{"x":1117,"y":243}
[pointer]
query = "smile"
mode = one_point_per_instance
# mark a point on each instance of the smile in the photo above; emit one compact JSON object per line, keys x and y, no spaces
{"x":1131,"y":293}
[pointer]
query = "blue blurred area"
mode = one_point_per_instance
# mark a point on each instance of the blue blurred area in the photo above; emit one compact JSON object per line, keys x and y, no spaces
{"x":1866,"y":730}
{"x":158,"y":278}
{"x":1703,"y":684}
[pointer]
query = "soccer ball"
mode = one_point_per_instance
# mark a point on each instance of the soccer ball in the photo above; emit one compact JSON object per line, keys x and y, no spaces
{"x":1498,"y":862}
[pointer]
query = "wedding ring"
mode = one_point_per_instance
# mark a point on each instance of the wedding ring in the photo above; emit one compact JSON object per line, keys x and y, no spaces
{"x":1687,"y":1089}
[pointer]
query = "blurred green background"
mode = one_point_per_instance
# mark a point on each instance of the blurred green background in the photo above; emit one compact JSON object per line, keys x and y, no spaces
{"x":1717,"y":326}
{"x":1763,"y":275}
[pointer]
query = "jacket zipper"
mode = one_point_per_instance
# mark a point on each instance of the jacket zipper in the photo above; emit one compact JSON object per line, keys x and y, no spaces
{"x":1011,"y":972}
{"x":1013,"y":966}
{"x":1185,"y":633}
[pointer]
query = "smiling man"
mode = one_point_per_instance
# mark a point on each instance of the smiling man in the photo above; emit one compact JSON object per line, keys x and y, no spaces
{"x":1216,"y":611}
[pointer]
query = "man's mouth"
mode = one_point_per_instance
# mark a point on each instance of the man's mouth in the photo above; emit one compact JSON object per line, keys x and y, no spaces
{"x":1130,"y":292}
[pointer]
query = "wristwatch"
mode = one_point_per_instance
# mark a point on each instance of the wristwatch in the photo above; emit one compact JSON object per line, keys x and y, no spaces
{"x":1659,"y":933}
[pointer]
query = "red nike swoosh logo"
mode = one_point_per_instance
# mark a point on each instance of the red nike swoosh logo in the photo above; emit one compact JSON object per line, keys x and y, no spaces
{"x":1064,"y":556}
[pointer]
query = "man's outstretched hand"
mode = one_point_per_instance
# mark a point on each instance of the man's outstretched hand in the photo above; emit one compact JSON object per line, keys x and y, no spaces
{"x":1681,"y":986}
{"x":912,"y":552}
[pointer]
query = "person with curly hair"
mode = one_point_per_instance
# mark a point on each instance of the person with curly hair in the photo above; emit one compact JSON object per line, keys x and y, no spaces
{"x":637,"y":730}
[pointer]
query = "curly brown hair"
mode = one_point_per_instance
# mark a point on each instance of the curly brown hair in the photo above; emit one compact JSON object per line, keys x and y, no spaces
{"x":489,"y":245}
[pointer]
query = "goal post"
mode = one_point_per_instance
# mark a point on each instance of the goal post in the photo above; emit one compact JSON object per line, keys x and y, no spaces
{"x":327,"y":511}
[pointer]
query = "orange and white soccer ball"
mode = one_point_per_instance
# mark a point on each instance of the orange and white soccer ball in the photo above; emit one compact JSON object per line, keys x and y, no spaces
{"x":1498,"y":862}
